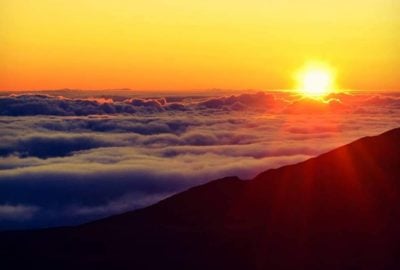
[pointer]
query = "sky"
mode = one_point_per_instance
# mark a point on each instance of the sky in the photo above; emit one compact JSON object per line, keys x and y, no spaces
{"x":67,"y":159}
{"x":198,"y":44}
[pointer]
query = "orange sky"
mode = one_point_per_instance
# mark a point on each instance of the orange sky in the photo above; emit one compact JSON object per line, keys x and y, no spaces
{"x":198,"y":44}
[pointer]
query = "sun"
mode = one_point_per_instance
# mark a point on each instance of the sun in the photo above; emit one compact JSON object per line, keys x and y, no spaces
{"x":315,"y":80}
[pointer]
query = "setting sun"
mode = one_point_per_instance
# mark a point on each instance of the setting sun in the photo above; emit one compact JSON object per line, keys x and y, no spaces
{"x":315,"y":80}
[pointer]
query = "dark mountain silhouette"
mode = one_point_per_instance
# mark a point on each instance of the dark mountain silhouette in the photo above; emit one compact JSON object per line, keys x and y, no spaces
{"x":340,"y":210}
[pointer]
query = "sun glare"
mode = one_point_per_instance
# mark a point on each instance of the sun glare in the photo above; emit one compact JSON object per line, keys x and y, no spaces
{"x":315,"y":80}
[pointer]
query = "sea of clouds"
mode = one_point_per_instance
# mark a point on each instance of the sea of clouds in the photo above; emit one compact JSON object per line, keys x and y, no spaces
{"x":66,"y":160}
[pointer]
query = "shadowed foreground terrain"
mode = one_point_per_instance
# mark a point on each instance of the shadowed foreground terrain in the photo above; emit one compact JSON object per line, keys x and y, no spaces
{"x":340,"y":210}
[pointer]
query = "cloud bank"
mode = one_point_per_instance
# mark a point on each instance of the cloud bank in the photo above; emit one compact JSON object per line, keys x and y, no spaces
{"x":69,"y":160}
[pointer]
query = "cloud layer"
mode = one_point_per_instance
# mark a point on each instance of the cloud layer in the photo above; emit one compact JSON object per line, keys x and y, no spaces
{"x":277,"y":102}
{"x":70,"y":160}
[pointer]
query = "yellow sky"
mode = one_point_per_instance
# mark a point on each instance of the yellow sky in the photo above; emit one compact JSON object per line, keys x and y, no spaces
{"x":195,"y":44}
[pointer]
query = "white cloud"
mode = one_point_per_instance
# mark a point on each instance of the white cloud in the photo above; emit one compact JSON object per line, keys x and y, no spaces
{"x":17,"y":212}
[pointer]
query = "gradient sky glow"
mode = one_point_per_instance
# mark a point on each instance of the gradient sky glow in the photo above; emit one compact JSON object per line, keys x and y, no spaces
{"x":198,"y":44}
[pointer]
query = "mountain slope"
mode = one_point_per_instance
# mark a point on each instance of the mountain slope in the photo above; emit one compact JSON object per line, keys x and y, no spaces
{"x":340,"y":210}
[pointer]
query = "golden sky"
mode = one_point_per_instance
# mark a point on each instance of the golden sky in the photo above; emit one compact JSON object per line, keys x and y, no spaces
{"x":196,"y":44}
